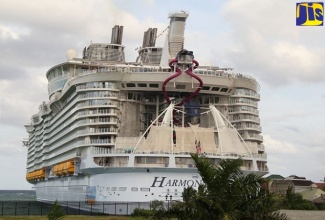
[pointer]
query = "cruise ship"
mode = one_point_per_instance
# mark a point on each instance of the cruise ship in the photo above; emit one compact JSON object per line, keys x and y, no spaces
{"x":117,"y":131}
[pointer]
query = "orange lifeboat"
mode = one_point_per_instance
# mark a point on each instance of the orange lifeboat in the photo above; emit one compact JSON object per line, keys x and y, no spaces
{"x":36,"y":175}
{"x":64,"y":168}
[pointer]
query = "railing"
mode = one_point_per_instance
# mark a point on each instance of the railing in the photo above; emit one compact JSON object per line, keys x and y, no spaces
{"x":109,"y":151}
{"x":108,"y":120}
{"x":261,"y":147}
{"x":35,"y":208}
{"x":244,"y":118}
{"x":242,"y":110}
{"x":208,"y":71}
{"x":241,"y":102}
{"x":251,"y":94}
{"x":261,"y":156}
{"x":253,"y":136}
{"x":250,"y":127}
{"x":101,"y":131}
{"x":265,"y":169}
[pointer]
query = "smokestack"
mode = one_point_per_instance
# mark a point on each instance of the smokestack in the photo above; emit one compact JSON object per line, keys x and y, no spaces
{"x":175,"y":39}
{"x":176,"y":32}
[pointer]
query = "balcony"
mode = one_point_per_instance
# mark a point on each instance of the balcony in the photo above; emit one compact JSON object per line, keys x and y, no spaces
{"x":253,"y":137}
{"x":250,"y":127}
{"x":261,"y":147}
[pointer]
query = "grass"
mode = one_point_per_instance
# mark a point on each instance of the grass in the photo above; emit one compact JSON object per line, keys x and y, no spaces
{"x":71,"y":217}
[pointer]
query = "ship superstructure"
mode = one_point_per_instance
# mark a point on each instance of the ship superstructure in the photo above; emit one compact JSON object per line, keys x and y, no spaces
{"x":123,"y":131}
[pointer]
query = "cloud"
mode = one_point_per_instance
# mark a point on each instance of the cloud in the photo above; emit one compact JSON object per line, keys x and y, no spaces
{"x":304,"y":158}
{"x":8,"y":72}
{"x":268,"y":44}
{"x":20,"y":98}
{"x":8,"y":33}
{"x":274,"y":146}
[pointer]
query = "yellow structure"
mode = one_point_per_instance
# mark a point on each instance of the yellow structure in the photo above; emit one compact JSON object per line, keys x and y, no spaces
{"x":36,"y":175}
{"x":64,"y":168}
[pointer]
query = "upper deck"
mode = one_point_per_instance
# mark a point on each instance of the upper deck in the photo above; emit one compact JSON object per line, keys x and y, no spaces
{"x":136,"y":77}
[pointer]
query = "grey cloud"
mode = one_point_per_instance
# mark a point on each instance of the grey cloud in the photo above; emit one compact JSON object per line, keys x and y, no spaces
{"x":295,"y":129}
{"x":272,"y":47}
{"x":12,"y":73}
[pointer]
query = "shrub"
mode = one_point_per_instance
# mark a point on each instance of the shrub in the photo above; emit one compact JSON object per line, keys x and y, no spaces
{"x":141,"y":213}
{"x":56,"y":212}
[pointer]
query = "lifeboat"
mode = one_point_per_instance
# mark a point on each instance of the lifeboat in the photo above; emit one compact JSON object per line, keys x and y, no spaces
{"x":64,"y":169}
{"x":36,"y":175}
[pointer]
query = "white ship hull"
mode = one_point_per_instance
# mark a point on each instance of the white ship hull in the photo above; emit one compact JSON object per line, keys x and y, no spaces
{"x":120,"y":185}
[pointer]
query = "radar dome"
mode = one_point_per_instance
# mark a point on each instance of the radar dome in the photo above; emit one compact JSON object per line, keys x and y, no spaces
{"x":71,"y":53}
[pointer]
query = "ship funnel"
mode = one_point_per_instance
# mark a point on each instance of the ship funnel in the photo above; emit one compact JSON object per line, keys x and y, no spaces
{"x":175,"y":39}
{"x":117,"y":33}
{"x":113,"y":52}
{"x":149,"y":38}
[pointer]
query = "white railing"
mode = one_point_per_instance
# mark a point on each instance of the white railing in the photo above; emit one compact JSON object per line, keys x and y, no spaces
{"x":110,"y":151}
{"x":208,"y":71}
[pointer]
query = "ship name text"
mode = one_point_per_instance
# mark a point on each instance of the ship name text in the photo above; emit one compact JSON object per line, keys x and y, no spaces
{"x":162,"y":181}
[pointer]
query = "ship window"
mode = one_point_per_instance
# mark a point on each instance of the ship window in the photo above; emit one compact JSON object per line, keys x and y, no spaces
{"x":179,"y":19}
{"x":121,"y":188}
{"x":205,"y":87}
{"x":224,"y":89}
{"x":142,"y":85}
{"x":130,"y":96}
{"x":215,"y":88}
{"x":153,"y":85}
{"x":134,"y":189}
{"x":113,"y":189}
{"x":140,"y":160}
{"x":145,"y":189}
{"x":123,"y":86}
{"x":130,"y":84}
{"x":36,"y":119}
{"x":151,"y":160}
{"x":180,"y":86}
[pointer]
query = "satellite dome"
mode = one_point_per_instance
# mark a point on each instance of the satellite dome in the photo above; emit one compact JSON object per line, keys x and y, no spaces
{"x":71,"y":53}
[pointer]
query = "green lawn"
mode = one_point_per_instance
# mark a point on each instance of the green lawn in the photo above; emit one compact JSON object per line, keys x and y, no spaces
{"x":71,"y":217}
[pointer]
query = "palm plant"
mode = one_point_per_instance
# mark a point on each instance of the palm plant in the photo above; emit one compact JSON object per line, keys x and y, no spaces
{"x":56,"y":212}
{"x":227,"y":194}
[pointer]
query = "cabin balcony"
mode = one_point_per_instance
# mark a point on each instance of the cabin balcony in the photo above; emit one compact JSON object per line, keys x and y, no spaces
{"x":252,"y":137}
{"x":261,"y":147}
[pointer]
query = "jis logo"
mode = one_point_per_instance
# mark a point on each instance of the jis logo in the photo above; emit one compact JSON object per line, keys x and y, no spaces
{"x":310,"y":14}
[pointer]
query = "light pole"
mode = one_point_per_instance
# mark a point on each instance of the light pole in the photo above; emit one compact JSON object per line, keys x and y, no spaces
{"x":168,"y":199}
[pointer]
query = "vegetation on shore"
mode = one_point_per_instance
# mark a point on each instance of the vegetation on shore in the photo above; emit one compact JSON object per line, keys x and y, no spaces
{"x":56,"y":212}
{"x":72,"y":217}
{"x":228,"y":194}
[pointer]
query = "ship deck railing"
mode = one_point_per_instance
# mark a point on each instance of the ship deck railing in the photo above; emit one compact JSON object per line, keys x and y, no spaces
{"x":206,"y":70}
{"x":113,"y":152}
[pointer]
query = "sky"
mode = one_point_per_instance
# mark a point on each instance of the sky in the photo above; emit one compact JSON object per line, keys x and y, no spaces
{"x":255,"y":37}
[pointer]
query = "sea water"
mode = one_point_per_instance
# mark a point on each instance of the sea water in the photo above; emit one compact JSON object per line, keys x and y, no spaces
{"x":19,"y":202}
{"x":23,"y":202}
{"x":17,"y":195}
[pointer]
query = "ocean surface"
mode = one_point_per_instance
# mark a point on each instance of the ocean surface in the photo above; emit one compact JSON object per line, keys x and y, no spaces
{"x":17,"y":195}
{"x":23,"y":202}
